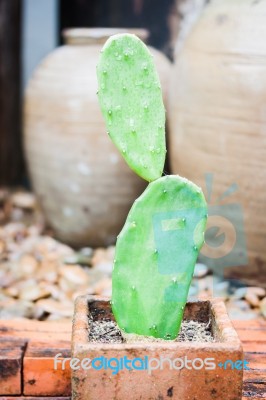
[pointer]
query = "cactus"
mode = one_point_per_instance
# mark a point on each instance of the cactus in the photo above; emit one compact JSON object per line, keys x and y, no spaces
{"x":158,"y":246}
{"x":131,"y":102}
{"x":155,"y":257}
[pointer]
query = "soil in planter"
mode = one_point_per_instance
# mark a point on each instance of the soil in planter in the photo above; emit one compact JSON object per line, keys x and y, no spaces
{"x":107,"y":331}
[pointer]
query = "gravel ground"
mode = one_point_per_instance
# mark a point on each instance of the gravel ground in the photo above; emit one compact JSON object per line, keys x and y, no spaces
{"x":41,"y":277}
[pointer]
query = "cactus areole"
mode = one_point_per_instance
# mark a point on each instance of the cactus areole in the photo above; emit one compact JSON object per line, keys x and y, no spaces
{"x":158,"y":246}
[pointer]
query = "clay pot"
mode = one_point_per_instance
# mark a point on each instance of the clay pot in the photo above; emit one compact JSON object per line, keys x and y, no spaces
{"x":217,"y":122}
{"x":185,"y":384}
{"x":83,"y":184}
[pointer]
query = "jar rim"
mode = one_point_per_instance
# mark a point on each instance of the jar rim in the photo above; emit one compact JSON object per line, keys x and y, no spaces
{"x":99,"y":35}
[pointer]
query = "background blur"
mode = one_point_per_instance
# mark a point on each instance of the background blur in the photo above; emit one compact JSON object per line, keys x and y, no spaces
{"x":31,"y":29}
{"x":65,"y":191}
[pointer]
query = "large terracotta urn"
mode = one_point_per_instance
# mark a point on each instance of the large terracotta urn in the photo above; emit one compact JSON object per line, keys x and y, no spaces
{"x":84,"y":186}
{"x":217,"y":120}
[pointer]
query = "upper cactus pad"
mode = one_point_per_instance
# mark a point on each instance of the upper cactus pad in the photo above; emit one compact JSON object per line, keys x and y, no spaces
{"x":131,"y":103}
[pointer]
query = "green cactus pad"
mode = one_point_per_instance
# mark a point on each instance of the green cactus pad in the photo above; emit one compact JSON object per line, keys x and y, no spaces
{"x":130,"y":97}
{"x":156,"y":253}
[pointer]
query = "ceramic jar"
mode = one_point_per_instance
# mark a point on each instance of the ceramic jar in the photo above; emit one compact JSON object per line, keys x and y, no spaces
{"x":217,"y":121}
{"x":84,"y":186}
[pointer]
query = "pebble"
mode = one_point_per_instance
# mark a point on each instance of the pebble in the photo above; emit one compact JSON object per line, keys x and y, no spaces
{"x":193,"y":291}
{"x":14,"y":230}
{"x":16,"y":214}
{"x":56,"y":292}
{"x":239,"y":293}
{"x":204,"y":284}
{"x":200,"y":271}
{"x":205,"y":295}
{"x":86,"y":251}
{"x":2,"y":247}
{"x":14,"y":309}
{"x":240,"y":304}
{"x":98,"y":256}
{"x":55,"y":307}
{"x":38,"y":313}
{"x":12,"y":291}
{"x":102,"y":255}
{"x":252,"y":299}
{"x":221,"y":290}
{"x":105,"y":267}
{"x":6,"y":279}
{"x":240,"y":310}
{"x":66,"y":286}
{"x":3,"y":296}
{"x":263,"y":307}
{"x":236,"y":314}
{"x":75,"y":275}
{"x":257,"y":291}
{"x":49,"y":247}
{"x":3,"y":195}
{"x":28,"y":265}
{"x":48,"y":270}
{"x":30,"y":290}
{"x":103,"y":287}
{"x":83,"y":257}
{"x":23,"y":200}
{"x":110,"y":253}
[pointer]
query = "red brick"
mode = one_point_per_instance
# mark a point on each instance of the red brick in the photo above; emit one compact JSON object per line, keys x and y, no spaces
{"x":40,"y":377}
{"x":11,"y":353}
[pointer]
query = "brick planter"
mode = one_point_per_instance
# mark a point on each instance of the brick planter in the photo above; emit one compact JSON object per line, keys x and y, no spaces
{"x":177,"y":383}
